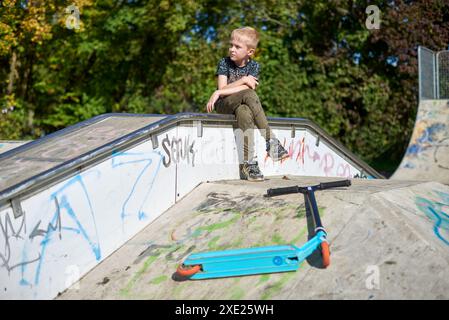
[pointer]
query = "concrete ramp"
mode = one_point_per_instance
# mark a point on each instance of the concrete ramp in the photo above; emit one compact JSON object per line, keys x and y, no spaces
{"x":427,"y":156}
{"x":71,"y":199}
{"x":54,"y":150}
{"x":389,"y":240}
{"x":6,"y":145}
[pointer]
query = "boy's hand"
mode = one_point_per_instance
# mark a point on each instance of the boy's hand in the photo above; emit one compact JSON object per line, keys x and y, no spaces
{"x":251,"y":81}
{"x":213,"y":98}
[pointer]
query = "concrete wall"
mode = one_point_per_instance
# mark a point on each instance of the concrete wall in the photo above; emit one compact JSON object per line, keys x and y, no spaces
{"x":70,"y":227}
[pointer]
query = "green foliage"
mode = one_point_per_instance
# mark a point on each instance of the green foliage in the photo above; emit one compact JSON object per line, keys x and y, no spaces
{"x":318,"y":61}
{"x":12,"y":119}
{"x":75,"y":110}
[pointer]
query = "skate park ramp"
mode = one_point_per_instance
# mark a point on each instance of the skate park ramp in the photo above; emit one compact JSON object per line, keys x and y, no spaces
{"x":71,"y":199}
{"x":109,"y":207}
{"x":389,"y":239}
{"x":427,"y":155}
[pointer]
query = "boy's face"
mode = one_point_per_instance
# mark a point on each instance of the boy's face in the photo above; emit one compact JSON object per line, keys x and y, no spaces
{"x":238,"y":50}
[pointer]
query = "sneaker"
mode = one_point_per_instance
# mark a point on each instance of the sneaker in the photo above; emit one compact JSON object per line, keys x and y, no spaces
{"x":250,"y":171}
{"x":276,"y":151}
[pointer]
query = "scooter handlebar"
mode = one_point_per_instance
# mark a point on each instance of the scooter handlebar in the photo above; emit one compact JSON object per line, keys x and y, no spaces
{"x":296,"y":189}
{"x":281,"y":191}
{"x":334,"y":184}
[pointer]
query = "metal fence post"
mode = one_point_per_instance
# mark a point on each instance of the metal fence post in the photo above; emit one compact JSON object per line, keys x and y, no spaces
{"x":426,"y":73}
{"x":442,"y":74}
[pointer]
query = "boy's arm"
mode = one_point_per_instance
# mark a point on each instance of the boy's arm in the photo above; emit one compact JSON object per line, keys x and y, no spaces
{"x":249,"y":81}
{"x":222,"y":93}
{"x":223,"y":85}
{"x":230,"y":90}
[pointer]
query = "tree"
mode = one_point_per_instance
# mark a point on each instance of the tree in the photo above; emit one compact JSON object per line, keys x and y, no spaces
{"x":318,"y":59}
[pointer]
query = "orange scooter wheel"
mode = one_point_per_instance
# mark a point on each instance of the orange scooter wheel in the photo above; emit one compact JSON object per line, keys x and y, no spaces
{"x":325,"y":254}
{"x":187,"y":271}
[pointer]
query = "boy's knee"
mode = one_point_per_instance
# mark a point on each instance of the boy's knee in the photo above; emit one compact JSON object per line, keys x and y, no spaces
{"x":249,"y":93}
{"x":243,"y":111}
{"x":251,"y":98}
{"x":244,"y":115}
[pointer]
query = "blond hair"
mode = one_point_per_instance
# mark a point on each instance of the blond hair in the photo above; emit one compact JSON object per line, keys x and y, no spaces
{"x":248,"y":35}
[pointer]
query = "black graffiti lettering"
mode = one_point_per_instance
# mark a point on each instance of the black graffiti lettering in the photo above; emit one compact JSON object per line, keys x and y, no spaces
{"x":176,"y":144}
{"x":178,"y":149}
{"x":7,"y":233}
{"x":151,"y":250}
{"x":166,"y":141}
{"x":183,"y":151}
{"x":192,"y":152}
{"x":58,"y":226}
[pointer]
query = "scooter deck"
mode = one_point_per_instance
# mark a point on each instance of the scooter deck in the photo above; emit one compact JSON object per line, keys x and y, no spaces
{"x":248,"y":261}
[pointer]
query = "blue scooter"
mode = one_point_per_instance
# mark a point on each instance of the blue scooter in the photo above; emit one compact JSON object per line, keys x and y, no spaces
{"x":280,"y":258}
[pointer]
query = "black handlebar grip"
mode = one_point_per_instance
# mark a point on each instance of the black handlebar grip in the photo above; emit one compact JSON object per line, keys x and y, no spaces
{"x":335,"y":184}
{"x":281,"y":191}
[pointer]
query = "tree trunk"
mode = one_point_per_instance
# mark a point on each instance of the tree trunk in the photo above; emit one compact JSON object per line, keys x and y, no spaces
{"x":12,"y":73}
{"x":28,"y":68}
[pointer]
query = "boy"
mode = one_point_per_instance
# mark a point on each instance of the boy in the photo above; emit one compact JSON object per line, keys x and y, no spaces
{"x":237,"y":80}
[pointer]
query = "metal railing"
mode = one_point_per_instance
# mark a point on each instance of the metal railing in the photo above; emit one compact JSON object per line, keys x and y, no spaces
{"x":39,"y":179}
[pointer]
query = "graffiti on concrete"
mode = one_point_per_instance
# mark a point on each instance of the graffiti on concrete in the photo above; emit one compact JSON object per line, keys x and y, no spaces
{"x":220,"y":222}
{"x":428,"y":137}
{"x":49,"y":228}
{"x":144,"y":180}
{"x":301,"y":152}
{"x":64,"y":218}
{"x":10,"y":233}
{"x":25,"y":243}
{"x":438,"y":213}
{"x":178,"y":149}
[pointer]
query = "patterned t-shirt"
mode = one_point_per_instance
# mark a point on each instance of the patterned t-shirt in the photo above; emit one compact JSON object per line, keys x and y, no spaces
{"x":228,"y":68}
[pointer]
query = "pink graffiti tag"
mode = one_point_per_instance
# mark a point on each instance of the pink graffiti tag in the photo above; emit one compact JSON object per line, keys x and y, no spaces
{"x":327,"y":163}
{"x":298,"y":149}
{"x":344,"y":170}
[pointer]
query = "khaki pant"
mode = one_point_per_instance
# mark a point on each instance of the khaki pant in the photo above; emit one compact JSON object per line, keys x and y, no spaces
{"x":248,"y":111}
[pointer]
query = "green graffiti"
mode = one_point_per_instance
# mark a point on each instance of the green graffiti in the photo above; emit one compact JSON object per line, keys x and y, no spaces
{"x":237,"y":294}
{"x":301,"y":213}
{"x":158,"y":280}
{"x":216,"y":210}
{"x":237,"y":243}
{"x":126,"y":291}
{"x":277,"y":239}
{"x":213,"y":243}
{"x":219,"y":225}
{"x":263,"y":278}
{"x":278,"y":211}
{"x":300,"y":235}
{"x":275,"y":288}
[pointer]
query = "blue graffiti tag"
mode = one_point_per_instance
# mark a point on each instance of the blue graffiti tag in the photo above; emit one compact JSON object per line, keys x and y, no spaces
{"x":117,"y":161}
{"x":427,"y":137}
{"x":55,"y":227}
{"x":434,"y":211}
